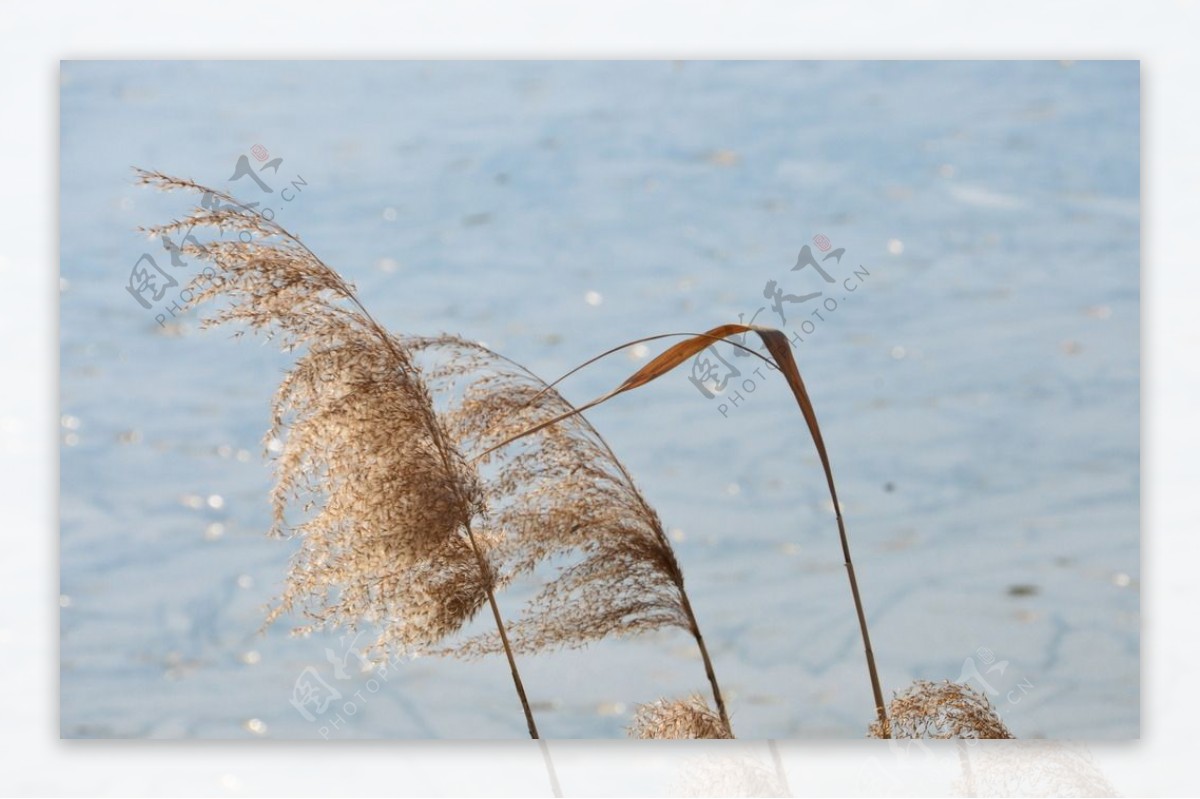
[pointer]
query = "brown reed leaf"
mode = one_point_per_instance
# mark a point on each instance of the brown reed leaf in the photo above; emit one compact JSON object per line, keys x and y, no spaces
{"x":775,"y":341}
{"x":676,"y":719}
{"x":940,"y":710}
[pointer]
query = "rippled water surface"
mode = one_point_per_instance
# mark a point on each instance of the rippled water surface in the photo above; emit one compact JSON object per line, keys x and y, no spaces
{"x":974,"y":364}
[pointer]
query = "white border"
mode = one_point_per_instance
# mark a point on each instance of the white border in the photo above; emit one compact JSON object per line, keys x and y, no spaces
{"x":34,"y":37}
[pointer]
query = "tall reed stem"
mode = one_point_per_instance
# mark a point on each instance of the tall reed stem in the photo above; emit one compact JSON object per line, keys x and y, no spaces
{"x":708,"y":666}
{"x":780,"y":347}
{"x":512,"y":662}
{"x":550,"y":771}
{"x":516,"y":674}
{"x":443,"y":449}
{"x":880,"y":709}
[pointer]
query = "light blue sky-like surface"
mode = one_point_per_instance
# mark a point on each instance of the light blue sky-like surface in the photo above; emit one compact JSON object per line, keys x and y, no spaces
{"x":978,"y":390}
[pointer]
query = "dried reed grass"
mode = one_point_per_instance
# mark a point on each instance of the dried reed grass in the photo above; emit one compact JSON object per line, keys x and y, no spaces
{"x":413,"y":518}
{"x":386,"y":496}
{"x":727,"y":775}
{"x":561,"y":494}
{"x":678,"y":718}
{"x":431,"y":472}
{"x":940,"y":710}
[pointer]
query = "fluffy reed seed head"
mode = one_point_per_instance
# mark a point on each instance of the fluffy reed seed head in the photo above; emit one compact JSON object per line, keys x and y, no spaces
{"x":941,"y":710}
{"x":386,"y":500}
{"x":558,"y":495}
{"x":677,"y":718}
{"x":383,"y":477}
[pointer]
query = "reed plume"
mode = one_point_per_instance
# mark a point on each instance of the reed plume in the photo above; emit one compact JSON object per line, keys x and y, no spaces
{"x":414,"y":516}
{"x":560,"y":494}
{"x":940,"y":710}
{"x":678,"y":718}
{"x":390,"y":503}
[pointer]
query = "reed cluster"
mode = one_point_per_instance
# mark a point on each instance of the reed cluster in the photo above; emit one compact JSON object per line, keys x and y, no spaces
{"x":423,"y":475}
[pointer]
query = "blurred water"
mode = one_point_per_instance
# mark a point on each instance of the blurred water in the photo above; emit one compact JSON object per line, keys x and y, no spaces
{"x":978,"y":388}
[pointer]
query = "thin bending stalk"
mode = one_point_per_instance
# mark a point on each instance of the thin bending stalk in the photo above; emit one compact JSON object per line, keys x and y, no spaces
{"x":779,"y":346}
{"x":880,"y":710}
{"x":708,"y":666}
{"x":512,"y":663}
{"x":693,"y":625}
{"x":443,"y":448}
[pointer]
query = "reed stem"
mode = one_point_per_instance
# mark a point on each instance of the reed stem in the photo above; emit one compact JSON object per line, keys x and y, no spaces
{"x":880,"y":707}
{"x":443,"y":449}
{"x":708,"y":666}
{"x":512,"y":662}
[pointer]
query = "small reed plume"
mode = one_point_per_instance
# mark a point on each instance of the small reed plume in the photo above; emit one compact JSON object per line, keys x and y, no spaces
{"x":940,"y":710}
{"x":678,"y":718}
